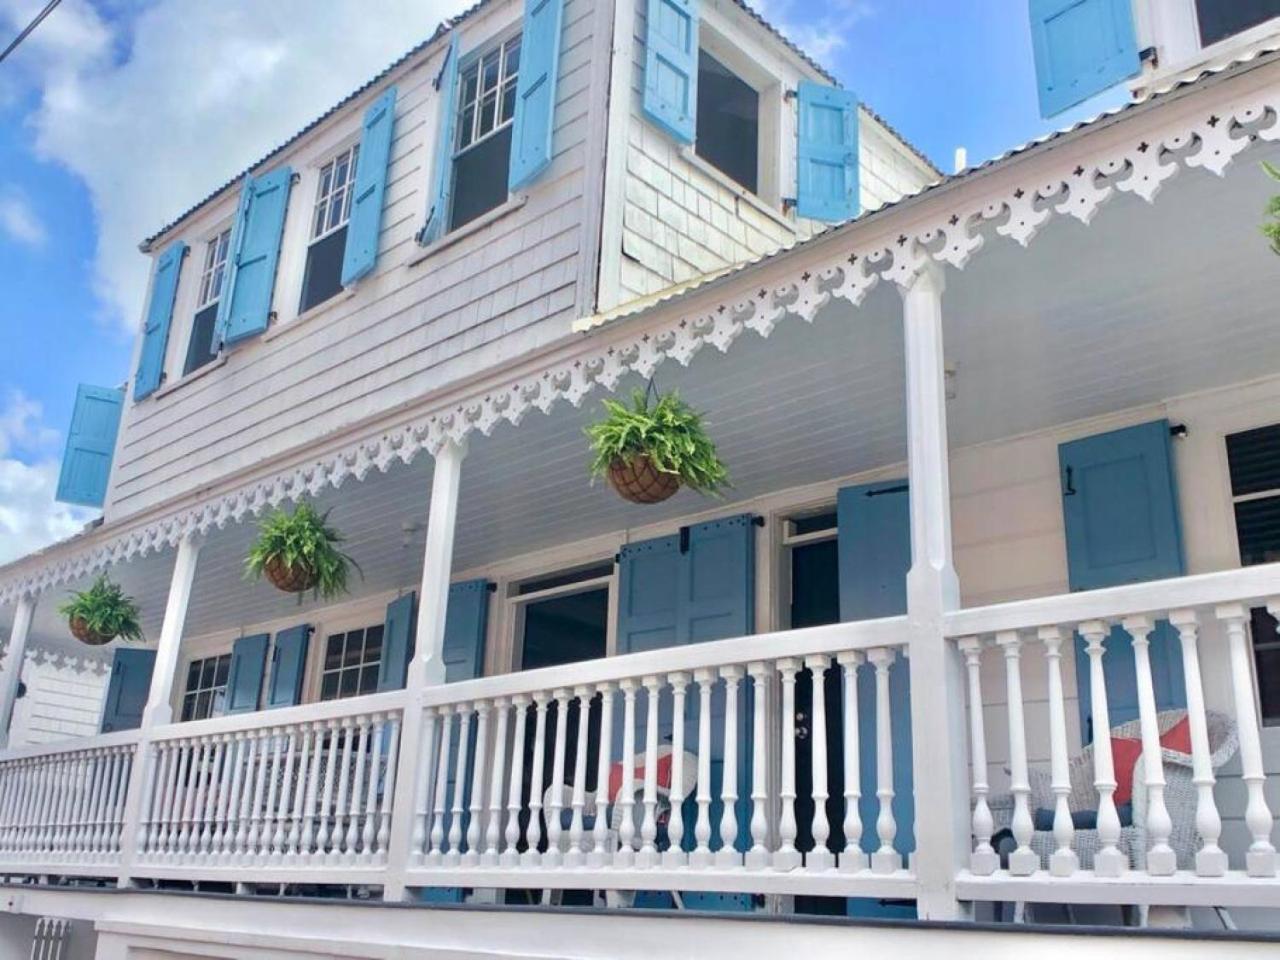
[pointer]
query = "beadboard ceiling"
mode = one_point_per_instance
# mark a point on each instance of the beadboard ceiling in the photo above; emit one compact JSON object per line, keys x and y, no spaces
{"x":1148,"y":303}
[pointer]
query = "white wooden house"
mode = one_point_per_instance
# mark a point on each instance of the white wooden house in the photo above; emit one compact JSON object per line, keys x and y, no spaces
{"x":1005,"y":451}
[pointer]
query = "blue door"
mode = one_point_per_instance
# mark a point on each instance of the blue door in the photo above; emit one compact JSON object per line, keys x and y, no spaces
{"x":874,"y":535}
{"x":1120,"y":512}
{"x":127,"y":690}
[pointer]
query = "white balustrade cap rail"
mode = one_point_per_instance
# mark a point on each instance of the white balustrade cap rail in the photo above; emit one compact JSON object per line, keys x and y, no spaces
{"x":326,"y":710}
{"x":120,"y":738}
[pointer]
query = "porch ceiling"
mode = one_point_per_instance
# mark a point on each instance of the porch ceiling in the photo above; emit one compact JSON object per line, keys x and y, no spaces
{"x":1148,"y":302}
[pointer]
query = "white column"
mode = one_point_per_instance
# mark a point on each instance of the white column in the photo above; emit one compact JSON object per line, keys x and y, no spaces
{"x":1161,"y":860}
{"x":1260,"y":860}
{"x":159,"y":711}
{"x":1064,"y":861}
{"x":14,"y":654}
{"x":427,"y":668}
{"x":937,"y":674}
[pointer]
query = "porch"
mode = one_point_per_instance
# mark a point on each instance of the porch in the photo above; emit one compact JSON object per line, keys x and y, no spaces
{"x":737,"y":774}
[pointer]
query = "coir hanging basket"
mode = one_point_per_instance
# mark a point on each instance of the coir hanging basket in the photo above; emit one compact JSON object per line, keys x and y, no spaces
{"x":290,"y":579}
{"x":81,"y":630}
{"x":639,"y":481}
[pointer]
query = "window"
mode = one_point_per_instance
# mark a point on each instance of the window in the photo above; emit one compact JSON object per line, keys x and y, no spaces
{"x":486,"y":107}
{"x":1220,"y":19}
{"x":564,"y":618}
{"x":201,"y":349}
{"x":728,"y":122}
{"x":322,"y":277}
{"x":351,"y":662}
{"x":1253,"y":458}
{"x":206,"y":692}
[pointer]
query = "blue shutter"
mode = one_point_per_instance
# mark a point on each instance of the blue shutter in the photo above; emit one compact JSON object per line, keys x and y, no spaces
{"x":649,"y":595}
{"x":91,"y":446}
{"x":288,"y":667}
{"x":465,"y":624}
{"x":248,"y":668}
{"x":255,"y":250}
{"x":826,"y":153}
{"x":1081,"y":47}
{"x":397,"y":642}
{"x":442,"y":171}
{"x":127,"y":690}
{"x":874,"y":555}
{"x":671,"y":67}
{"x":365,"y":225}
{"x":536,"y":91}
{"x":718,"y":584}
{"x":155,"y":331}
{"x":1120,"y":514}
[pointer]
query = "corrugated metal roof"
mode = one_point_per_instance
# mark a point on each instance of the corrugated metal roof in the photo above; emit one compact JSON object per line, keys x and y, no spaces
{"x":678,"y":291}
{"x":441,"y":31}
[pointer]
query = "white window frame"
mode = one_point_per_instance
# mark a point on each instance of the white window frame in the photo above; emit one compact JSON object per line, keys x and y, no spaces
{"x":323,"y":654}
{"x":1173,"y":28}
{"x":324,"y":198}
{"x":788,"y":540}
{"x":209,"y":291}
{"x":189,"y":692}
{"x":515,"y":603}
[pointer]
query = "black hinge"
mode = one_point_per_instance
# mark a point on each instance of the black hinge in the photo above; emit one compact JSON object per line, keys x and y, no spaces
{"x":900,"y":488}
{"x":684,"y":539}
{"x":1178,"y":430}
{"x":1149,"y":55}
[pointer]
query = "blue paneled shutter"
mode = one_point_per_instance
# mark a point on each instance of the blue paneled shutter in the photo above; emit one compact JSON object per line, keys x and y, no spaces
{"x":465,"y":623}
{"x":1120,"y":513}
{"x":442,"y":171}
{"x":155,"y":331}
{"x":127,"y":690}
{"x":826,"y":153}
{"x":536,"y":91}
{"x":91,"y":445}
{"x":255,"y":250}
{"x":1082,"y":47}
{"x":288,"y":666}
{"x":671,"y":67}
{"x":696,"y":586}
{"x":874,"y":556}
{"x":397,"y":642}
{"x":248,"y":669}
{"x":365,"y":225}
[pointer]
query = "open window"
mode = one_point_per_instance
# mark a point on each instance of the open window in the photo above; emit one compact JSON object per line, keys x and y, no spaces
{"x":202,"y":348}
{"x":728,"y":123}
{"x":485,"y":112}
{"x":322,"y":276}
{"x":563,"y":618}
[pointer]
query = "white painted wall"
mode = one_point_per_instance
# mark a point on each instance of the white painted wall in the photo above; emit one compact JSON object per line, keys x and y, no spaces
{"x":63,"y":699}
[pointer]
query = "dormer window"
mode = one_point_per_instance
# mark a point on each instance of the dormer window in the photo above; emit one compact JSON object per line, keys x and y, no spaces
{"x":486,"y":108}
{"x":728,"y":122}
{"x":322,"y":277}
{"x":201,"y":348}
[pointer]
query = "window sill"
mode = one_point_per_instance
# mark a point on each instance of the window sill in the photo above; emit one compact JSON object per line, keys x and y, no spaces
{"x":761,"y":206}
{"x":191,"y":377}
{"x":279,"y":328}
{"x":462,"y":233}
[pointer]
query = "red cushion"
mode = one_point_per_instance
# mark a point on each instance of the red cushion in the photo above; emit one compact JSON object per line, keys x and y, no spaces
{"x":1178,"y":737}
{"x":1125,"y":754}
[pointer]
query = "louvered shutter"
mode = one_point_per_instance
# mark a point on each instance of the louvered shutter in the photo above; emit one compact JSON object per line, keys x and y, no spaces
{"x":365,"y":225}
{"x":536,"y":91}
{"x":155,"y":333}
{"x":826,"y":153}
{"x":442,"y":171}
{"x":245,"y":306}
{"x":1081,"y":47}
{"x":671,"y":67}
{"x":91,"y":445}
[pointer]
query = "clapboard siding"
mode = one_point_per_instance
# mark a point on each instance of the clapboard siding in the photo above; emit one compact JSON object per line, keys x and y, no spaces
{"x":406,"y":330}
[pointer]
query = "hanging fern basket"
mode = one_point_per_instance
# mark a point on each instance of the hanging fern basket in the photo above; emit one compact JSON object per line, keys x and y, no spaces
{"x":287,"y":578}
{"x":638,"y":480}
{"x":81,"y":630}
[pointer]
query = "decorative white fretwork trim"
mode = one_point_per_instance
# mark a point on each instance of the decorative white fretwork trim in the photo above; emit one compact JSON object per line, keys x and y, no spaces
{"x":951,"y":234}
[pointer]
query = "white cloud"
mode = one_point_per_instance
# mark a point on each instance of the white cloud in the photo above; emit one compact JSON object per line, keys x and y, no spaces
{"x":817,"y":29}
{"x":29,"y":518}
{"x":154,"y":111}
{"x":18,"y":219}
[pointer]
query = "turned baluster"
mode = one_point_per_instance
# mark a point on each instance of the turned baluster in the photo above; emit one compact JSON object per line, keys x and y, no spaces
{"x":1063,"y":862}
{"x":213,"y":795}
{"x":554,"y":856}
{"x":1211,"y":859}
{"x":886,"y":859}
{"x":293,"y":842}
{"x":533,"y":836}
{"x":453,"y":857}
{"x":339,"y":845}
{"x":820,"y":857}
{"x":422,"y":792}
{"x":240,"y":847}
{"x":479,"y":769}
{"x":510,"y":856}
{"x":674,"y":855}
{"x":169,"y":824}
{"x":352,"y":842}
{"x":1161,"y":859}
{"x":1108,"y":861}
{"x":984,"y":860}
{"x":647,"y":856}
{"x":787,"y":857}
{"x":852,"y":858}
{"x":324,"y":828}
{"x":758,"y":857}
{"x":1023,"y":861}
{"x":1260,"y":859}
{"x":369,"y":833}
{"x":576,"y":856}
{"x":728,"y":855}
{"x":435,"y":855}
{"x":625,"y":855}
{"x":493,"y":829}
{"x":307,"y":839}
{"x":231,"y":836}
{"x":388,"y":783}
{"x":599,"y":855}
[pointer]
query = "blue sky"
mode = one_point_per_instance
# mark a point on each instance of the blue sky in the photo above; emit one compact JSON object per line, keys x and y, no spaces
{"x":117,"y":114}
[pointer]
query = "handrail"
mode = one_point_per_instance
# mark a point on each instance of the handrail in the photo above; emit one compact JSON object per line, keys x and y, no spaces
{"x":283,"y":717}
{"x":1241,"y":585}
{"x":120,"y":738}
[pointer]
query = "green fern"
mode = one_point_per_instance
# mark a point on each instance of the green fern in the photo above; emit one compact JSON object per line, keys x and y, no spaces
{"x":302,"y":540}
{"x":105,"y":610}
{"x":1272,"y":227}
{"x":669,"y":433}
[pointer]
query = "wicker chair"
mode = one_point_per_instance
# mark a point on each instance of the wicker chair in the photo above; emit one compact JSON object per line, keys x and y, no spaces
{"x":1179,"y":795}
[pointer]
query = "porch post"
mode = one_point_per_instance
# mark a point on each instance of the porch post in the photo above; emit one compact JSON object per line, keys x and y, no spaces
{"x":14,"y":655}
{"x":158,"y":711}
{"x":937,"y":673}
{"x":427,"y":667}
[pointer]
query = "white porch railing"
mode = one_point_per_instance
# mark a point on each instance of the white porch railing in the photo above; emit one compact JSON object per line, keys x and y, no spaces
{"x":62,"y":806}
{"x":1161,"y":855}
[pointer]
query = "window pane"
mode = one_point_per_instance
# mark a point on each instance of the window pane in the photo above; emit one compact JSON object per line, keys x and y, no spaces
{"x":565,"y":629}
{"x":821,"y":521}
{"x":224,"y":668}
{"x":368,"y":679}
{"x":207,"y":668}
{"x":513,"y":58}
{"x":488,"y":113}
{"x":347,"y":685}
{"x":1220,"y":19}
{"x":333,"y":651}
{"x":188,"y":707}
{"x":329,"y":686}
{"x":469,"y":84}
{"x":1258,"y":530}
{"x":323,"y":276}
{"x":193,"y":675}
{"x":508,"y":103}
{"x":466,"y":125}
{"x":326,"y":180}
{"x":480,"y":178}
{"x":373,"y":644}
{"x":490,"y":67}
{"x":203,"y":701}
{"x":219,"y":702}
